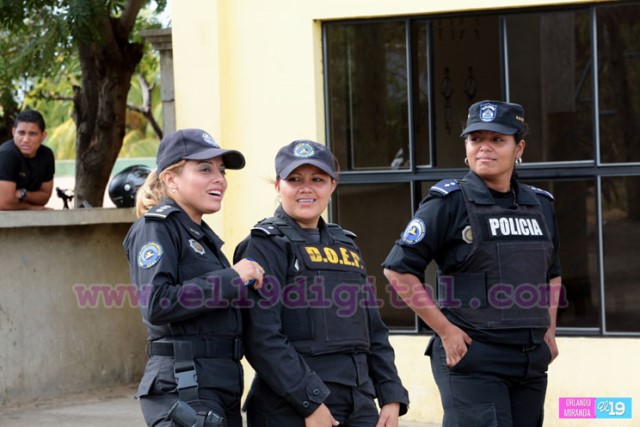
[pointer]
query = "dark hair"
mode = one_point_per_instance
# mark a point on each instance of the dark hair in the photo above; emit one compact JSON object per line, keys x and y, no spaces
{"x":30,"y":116}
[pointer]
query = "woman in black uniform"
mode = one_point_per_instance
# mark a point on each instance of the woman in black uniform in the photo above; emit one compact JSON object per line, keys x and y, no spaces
{"x":186,"y":286}
{"x":496,"y":245}
{"x":316,"y":341}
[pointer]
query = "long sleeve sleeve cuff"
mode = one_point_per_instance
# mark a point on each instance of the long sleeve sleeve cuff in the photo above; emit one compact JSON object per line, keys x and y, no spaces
{"x":308,"y":397}
{"x":393,"y":392}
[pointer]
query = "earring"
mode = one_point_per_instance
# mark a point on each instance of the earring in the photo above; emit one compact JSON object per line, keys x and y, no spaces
{"x":466,"y":161}
{"x":518,"y":161}
{"x":173,"y":190}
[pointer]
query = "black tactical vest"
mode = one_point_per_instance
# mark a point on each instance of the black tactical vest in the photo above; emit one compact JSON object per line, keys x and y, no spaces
{"x":502,"y":283}
{"x":324,"y":300}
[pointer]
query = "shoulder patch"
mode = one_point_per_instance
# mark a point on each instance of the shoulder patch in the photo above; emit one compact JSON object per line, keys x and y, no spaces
{"x":444,"y":187}
{"x":161,"y":211}
{"x":149,"y":254}
{"x":414,"y":232}
{"x":542,"y":192}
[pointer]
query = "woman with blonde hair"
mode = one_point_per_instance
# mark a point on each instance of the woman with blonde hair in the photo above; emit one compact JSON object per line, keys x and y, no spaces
{"x":186,"y":287}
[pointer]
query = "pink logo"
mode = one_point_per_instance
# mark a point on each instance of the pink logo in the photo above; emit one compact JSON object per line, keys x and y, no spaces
{"x":577,"y":407}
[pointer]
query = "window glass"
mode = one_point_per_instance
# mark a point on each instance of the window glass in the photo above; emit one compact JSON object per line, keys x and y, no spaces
{"x":619,"y":82}
{"x":466,"y":69}
{"x":367,"y":94}
{"x":575,"y":208}
{"x":378,"y":215}
{"x":550,"y":75}
{"x":621,"y":233}
{"x":420,"y":95}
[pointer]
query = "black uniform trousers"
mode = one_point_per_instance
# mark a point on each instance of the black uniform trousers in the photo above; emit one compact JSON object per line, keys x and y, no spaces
{"x":494,"y":385}
{"x":160,"y":393}
{"x":351,"y":406}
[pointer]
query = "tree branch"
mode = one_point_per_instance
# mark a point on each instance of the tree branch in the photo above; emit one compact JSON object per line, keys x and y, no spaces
{"x":146,"y":109}
{"x":129,"y":15}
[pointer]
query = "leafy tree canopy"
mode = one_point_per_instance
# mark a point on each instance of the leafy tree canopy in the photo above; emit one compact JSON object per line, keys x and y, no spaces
{"x":84,"y":51}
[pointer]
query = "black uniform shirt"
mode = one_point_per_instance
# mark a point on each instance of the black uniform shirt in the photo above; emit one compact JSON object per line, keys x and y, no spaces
{"x":445,"y":219}
{"x":185,"y":284}
{"x":300,"y":379}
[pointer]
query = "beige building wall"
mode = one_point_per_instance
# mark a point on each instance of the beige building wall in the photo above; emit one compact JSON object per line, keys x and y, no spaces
{"x":250,"y":72}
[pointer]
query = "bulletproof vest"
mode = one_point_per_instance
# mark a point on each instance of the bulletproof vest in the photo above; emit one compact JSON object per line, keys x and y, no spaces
{"x":324,"y":299}
{"x":502,"y":283}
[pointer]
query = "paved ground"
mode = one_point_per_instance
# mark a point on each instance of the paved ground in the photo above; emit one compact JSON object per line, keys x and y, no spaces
{"x":102,"y":408}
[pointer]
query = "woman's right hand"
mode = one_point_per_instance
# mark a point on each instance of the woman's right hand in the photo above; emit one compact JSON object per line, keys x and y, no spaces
{"x":455,"y":342}
{"x":321,"y":417}
{"x":249,"y":270}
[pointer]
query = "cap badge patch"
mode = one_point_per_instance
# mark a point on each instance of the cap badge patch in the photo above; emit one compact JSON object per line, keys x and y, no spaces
{"x":209,"y":139}
{"x":488,"y":112}
{"x":149,"y":255}
{"x":303,"y":150}
{"x":414,"y":232}
{"x":196,"y":246}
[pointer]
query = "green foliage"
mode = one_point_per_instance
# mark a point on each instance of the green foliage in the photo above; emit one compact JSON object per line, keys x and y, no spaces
{"x":39,"y":64}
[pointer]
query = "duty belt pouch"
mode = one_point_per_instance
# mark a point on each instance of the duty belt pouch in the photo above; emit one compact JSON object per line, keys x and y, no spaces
{"x":189,"y":410}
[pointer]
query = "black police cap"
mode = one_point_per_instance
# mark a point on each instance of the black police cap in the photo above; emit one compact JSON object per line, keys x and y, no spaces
{"x":304,"y":152}
{"x":495,"y":116}
{"x":194,"y":144}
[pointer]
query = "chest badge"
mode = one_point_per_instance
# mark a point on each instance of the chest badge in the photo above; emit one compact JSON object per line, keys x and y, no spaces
{"x":467,"y":235}
{"x":196,"y":246}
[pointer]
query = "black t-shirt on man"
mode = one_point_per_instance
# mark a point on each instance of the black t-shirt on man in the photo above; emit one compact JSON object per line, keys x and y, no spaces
{"x":26,"y":173}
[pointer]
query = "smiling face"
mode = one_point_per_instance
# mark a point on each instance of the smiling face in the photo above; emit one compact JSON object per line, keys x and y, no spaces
{"x":492,"y":157}
{"x":305,"y":194}
{"x":199,"y":187}
{"x":28,"y":137}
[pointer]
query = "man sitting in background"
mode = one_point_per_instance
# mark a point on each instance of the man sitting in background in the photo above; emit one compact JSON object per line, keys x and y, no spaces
{"x":26,"y":166}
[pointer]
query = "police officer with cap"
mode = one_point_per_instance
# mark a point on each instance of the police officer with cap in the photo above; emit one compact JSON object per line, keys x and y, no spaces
{"x":186,"y":286}
{"x":496,"y":246}
{"x":314,"y":334}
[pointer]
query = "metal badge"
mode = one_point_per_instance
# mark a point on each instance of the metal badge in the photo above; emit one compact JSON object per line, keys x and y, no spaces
{"x":467,"y":235}
{"x":196,"y":246}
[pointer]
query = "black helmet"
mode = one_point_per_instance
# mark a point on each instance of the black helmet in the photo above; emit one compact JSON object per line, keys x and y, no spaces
{"x":125,"y":184}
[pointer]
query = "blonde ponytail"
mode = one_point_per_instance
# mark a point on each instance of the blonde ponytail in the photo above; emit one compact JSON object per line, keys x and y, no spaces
{"x":153,"y":190}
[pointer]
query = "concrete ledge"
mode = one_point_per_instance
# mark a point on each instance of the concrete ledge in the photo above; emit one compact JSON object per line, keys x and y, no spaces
{"x":69,"y":319}
{"x":66,"y":217}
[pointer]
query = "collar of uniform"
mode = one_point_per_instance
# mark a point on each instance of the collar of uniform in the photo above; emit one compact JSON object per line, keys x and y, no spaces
{"x":197,"y":231}
{"x":478,"y":192}
{"x":322,"y":226}
{"x":212,"y":235}
{"x":524,"y":194}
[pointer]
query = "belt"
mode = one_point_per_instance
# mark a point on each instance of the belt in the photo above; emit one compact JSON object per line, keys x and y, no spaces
{"x":217,"y":348}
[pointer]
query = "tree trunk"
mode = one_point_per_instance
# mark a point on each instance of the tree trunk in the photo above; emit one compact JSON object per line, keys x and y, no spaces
{"x":100,"y":104}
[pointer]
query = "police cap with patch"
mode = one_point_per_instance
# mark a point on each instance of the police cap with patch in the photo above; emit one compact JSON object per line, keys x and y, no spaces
{"x":194,"y":144}
{"x":304,"y":152}
{"x":496,"y":116}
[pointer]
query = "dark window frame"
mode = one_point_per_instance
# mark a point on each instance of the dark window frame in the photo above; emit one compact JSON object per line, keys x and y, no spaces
{"x":587,"y":169}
